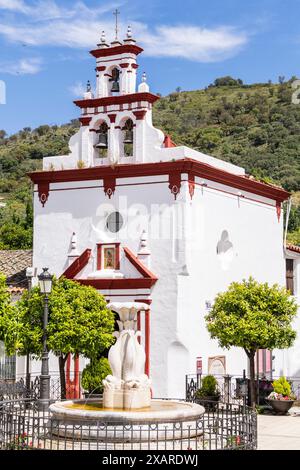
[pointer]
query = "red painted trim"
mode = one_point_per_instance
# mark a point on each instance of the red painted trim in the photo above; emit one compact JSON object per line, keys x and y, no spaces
{"x":85,"y":120}
{"x":43,"y":190}
{"x":135,"y":66}
{"x":175,"y":183}
{"x":125,"y":65}
{"x":140,"y":114}
{"x":78,"y":265}
{"x":147,"y":342}
{"x":138,"y":325}
{"x":101,"y":68}
{"x":112,"y":118}
{"x":121,"y":99}
{"x":109,"y":185}
{"x":123,"y":49}
{"x":139,"y":266}
{"x":184,"y":166}
{"x":278,"y":210}
{"x":192,"y":185}
{"x":168,"y":142}
{"x":294,"y":248}
{"x":117,"y":255}
{"x":112,"y":284}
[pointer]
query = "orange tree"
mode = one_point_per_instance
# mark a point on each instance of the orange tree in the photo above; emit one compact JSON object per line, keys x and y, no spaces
{"x":253,"y":316}
{"x":79,"y":323}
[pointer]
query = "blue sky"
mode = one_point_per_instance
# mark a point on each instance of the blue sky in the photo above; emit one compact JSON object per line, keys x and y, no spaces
{"x":44,"y":46}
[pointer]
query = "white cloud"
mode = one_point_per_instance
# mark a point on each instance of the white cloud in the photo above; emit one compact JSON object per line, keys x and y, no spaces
{"x":78,"y":89}
{"x":13,"y":5}
{"x":29,"y":66}
{"x":194,"y":43}
{"x":79,"y":27}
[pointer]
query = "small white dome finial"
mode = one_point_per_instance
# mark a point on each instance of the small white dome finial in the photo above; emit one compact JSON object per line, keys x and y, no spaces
{"x":103,"y":37}
{"x":129,"y":32}
{"x":144,"y":87}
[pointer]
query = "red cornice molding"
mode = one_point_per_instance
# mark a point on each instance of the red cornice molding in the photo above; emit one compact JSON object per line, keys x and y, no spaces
{"x":184,"y":166}
{"x":77,"y":265}
{"x":140,"y":115}
{"x":85,"y":121}
{"x":139,"y":266}
{"x":111,"y":284}
{"x":122,"y":99}
{"x":118,"y":50}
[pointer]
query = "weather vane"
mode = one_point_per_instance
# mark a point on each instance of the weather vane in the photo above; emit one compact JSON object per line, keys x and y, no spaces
{"x":117,"y":13}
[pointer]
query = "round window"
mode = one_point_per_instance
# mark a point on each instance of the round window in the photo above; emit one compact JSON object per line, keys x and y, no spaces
{"x":114,"y":222}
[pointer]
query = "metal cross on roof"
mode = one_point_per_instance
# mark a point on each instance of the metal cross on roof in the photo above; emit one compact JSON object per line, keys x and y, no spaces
{"x":117,"y":13}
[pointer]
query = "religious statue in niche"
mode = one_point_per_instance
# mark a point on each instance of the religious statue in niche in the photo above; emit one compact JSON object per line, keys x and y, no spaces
{"x":225,"y":250}
{"x":109,"y":258}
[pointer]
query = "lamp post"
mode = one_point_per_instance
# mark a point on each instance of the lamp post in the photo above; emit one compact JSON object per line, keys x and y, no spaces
{"x":45,"y":282}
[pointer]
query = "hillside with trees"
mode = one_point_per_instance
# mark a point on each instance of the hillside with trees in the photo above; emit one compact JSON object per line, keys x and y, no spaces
{"x":254,"y":126}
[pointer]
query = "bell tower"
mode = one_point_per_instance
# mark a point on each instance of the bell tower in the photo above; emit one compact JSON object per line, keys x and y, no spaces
{"x":116,"y":122}
{"x":116,"y":66}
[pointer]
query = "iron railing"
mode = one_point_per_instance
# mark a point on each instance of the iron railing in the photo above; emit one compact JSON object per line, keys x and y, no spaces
{"x":230,"y":390}
{"x":25,"y":426}
{"x":12,"y":390}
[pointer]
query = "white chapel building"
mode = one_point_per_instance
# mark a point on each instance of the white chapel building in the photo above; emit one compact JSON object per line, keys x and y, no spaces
{"x":143,"y":220}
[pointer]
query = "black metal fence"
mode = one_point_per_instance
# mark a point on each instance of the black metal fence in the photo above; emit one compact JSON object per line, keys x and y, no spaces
{"x":24,"y":426}
{"x":20,"y":388}
{"x":236,"y":389}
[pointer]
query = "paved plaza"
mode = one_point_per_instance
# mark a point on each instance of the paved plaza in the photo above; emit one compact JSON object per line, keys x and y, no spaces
{"x":279,"y":432}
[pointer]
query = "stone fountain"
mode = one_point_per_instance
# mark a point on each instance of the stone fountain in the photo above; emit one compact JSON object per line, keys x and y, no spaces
{"x":127,"y":398}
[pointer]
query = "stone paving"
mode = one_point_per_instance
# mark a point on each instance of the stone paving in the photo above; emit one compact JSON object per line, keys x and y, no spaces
{"x":279,"y":432}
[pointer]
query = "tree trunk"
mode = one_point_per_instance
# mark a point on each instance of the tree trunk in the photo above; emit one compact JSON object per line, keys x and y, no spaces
{"x":62,"y":375}
{"x":251,"y":356}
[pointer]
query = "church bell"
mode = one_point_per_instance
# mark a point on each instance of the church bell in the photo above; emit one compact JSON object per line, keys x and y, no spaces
{"x":115,"y":87}
{"x":128,"y":137}
{"x":102,"y":144}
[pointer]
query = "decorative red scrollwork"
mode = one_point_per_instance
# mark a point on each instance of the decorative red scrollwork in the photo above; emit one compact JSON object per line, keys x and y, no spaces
{"x":175,"y":183}
{"x":192,"y":185}
{"x":278,"y":210}
{"x":43,"y":190}
{"x":109,"y":186}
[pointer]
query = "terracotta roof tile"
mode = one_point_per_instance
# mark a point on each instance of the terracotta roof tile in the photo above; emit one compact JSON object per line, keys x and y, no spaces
{"x":14,"y":264}
{"x":294,"y":248}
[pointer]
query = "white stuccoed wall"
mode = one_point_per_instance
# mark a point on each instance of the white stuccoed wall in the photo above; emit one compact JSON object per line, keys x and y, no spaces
{"x":185,"y":260}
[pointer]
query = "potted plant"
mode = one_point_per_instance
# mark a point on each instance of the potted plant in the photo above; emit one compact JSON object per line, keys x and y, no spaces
{"x":208,"y":394}
{"x":281,"y":398}
{"x":92,"y":377}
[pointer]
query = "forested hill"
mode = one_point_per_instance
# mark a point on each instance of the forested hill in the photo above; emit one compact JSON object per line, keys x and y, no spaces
{"x":254,"y":126}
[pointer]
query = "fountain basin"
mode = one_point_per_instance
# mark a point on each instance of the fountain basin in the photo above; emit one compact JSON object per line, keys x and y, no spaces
{"x":163,"y":420}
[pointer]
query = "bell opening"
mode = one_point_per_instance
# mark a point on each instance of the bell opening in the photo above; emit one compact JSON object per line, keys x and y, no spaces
{"x":128,"y":138}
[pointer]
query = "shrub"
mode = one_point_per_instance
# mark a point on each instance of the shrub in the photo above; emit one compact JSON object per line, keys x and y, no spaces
{"x":282,"y":386}
{"x":94,"y":373}
{"x":209,"y":388}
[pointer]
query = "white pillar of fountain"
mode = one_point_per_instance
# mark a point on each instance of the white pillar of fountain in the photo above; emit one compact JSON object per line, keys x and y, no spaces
{"x":128,"y":388}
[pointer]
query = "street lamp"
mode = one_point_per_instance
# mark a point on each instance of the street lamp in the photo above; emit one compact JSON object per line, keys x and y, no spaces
{"x":45,"y":282}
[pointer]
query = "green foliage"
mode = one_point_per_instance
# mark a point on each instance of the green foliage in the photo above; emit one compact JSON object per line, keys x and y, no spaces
{"x":94,"y":373}
{"x":227,"y":81}
{"x":282,"y":386}
{"x":209,"y":387}
{"x":253,"y":316}
{"x":6,"y":308}
{"x":79,"y":322}
{"x":20,"y":154}
{"x":254,"y":126}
